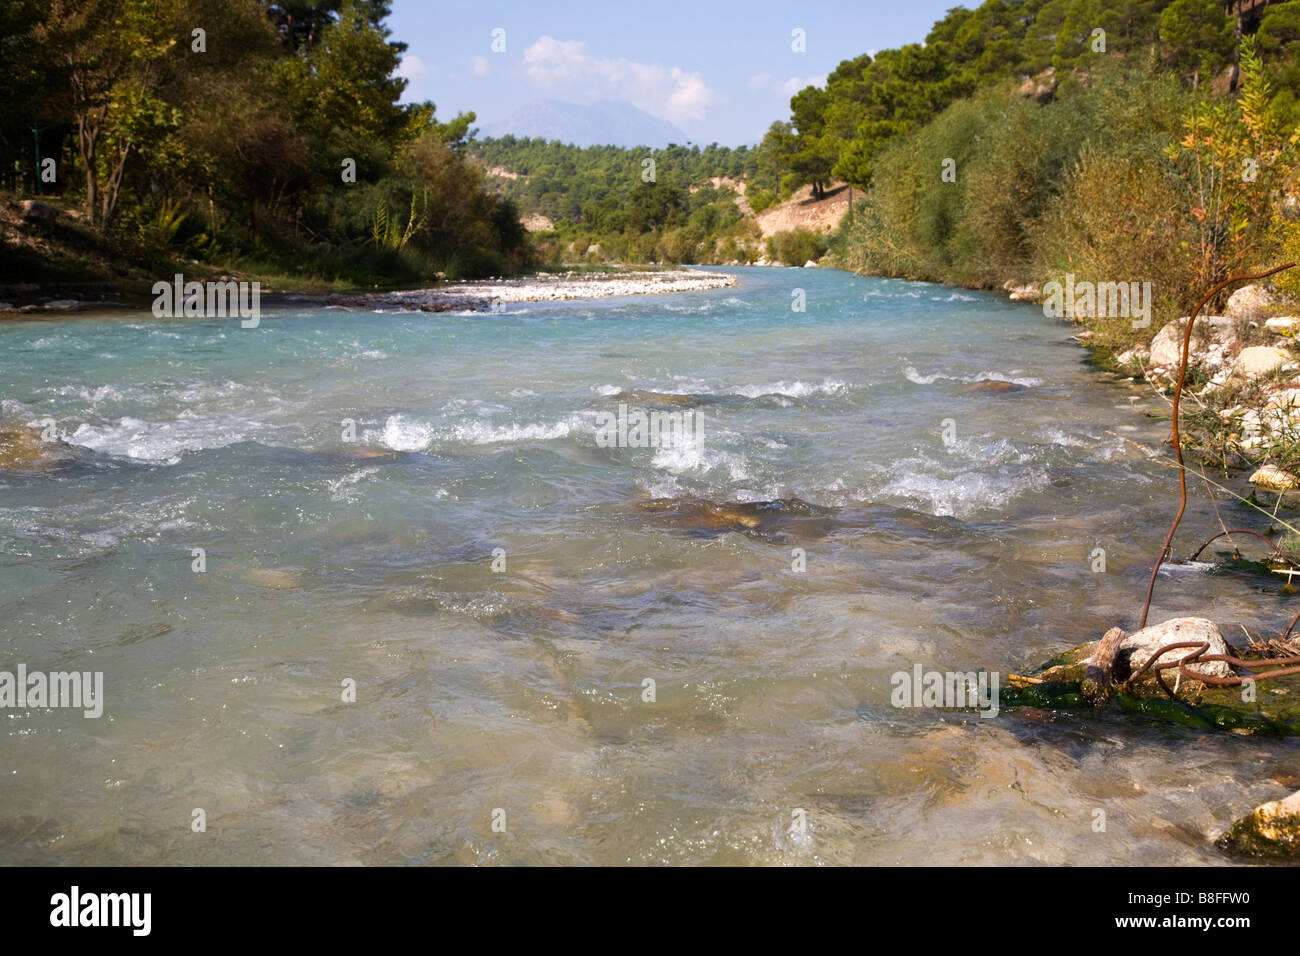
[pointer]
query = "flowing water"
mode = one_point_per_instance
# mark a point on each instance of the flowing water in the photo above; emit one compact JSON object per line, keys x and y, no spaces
{"x":959,"y":534}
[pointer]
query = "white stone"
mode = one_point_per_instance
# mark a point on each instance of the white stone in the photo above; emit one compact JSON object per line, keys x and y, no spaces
{"x":1258,"y":360}
{"x":1167,"y":346}
{"x":1140,"y":645}
{"x":1281,"y":323}
{"x":1248,"y":301}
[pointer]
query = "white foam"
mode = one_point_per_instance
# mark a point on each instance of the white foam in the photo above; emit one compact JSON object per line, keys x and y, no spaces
{"x":162,"y":442}
{"x":964,"y":494}
{"x":912,"y":375}
{"x":790,"y":389}
{"x":483,"y":433}
{"x":403,"y":434}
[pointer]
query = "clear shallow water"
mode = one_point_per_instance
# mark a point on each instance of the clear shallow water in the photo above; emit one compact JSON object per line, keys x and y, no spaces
{"x":522,"y":690}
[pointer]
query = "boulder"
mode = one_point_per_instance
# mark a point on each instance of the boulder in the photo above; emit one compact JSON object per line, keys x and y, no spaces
{"x":1025,"y":293}
{"x":1136,"y":649}
{"x":810,"y":264}
{"x":1282,"y":324}
{"x":1273,"y":478}
{"x":1258,"y":360}
{"x":39,"y":214}
{"x":1167,"y":346}
{"x":1248,"y":301}
{"x":1041,"y":87}
{"x":1271,"y":831}
{"x":1133,"y":356}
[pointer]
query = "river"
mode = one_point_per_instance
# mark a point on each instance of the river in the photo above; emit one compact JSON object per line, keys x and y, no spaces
{"x":503,"y":716}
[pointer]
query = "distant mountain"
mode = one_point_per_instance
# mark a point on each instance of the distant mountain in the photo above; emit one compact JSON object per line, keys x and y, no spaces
{"x":604,"y":123}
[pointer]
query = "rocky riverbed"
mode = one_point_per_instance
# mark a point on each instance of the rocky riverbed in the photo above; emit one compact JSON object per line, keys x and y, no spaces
{"x":486,"y":294}
{"x":479,"y":295}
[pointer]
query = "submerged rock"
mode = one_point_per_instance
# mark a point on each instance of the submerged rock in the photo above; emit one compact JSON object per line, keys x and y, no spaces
{"x":366,"y":453}
{"x":22,"y":450}
{"x":995,"y":385}
{"x":760,"y":518}
{"x":641,"y":396}
{"x":1271,"y":831}
{"x":275,"y":579}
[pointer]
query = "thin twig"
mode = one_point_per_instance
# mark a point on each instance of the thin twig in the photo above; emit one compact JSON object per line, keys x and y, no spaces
{"x":1176,"y":439}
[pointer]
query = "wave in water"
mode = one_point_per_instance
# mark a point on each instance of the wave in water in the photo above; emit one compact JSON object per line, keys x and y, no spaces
{"x":912,"y":375}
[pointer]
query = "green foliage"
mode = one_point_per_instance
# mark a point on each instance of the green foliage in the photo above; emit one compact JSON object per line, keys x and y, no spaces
{"x":244,"y":144}
{"x":869,"y":101}
{"x":1134,"y":178}
{"x":1199,"y":36}
{"x":794,"y":247}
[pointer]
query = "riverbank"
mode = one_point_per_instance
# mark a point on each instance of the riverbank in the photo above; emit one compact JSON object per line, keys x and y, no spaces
{"x":474,"y":295}
{"x":486,"y":294}
{"x":1241,"y":406}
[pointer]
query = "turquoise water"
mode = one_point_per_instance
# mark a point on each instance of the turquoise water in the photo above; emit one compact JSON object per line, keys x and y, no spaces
{"x":371,"y":560}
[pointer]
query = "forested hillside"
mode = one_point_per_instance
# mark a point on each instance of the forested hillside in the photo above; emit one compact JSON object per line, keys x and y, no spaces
{"x":245,"y":134}
{"x":1153,"y":146}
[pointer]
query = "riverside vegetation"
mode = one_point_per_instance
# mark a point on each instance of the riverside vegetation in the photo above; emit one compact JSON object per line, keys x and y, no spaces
{"x":270,"y":143}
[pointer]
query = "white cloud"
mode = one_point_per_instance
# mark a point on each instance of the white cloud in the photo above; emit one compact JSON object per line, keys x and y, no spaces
{"x":481,"y":66}
{"x":667,"y":92}
{"x":756,"y":83}
{"x":793,"y":85}
{"x":412,"y":67}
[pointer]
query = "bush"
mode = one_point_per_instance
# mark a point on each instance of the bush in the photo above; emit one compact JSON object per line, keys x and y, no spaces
{"x":794,"y":247}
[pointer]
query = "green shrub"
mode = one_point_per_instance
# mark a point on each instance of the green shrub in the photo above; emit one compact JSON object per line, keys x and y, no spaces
{"x":796,"y":246}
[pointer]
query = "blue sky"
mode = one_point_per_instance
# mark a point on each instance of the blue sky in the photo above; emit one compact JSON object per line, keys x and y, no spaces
{"x":719,"y":72}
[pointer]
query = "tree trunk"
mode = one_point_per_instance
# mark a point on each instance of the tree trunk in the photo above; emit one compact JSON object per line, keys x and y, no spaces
{"x":1236,"y":51}
{"x":87,"y":142}
{"x":113,"y":188}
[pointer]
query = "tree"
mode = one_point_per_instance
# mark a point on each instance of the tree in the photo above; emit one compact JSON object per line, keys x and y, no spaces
{"x":1199,"y":37}
{"x":109,"y":49}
